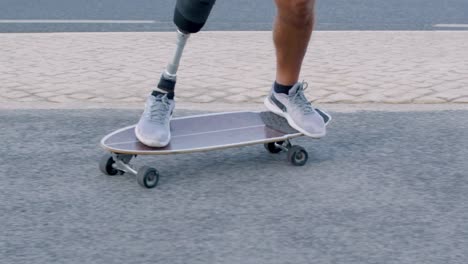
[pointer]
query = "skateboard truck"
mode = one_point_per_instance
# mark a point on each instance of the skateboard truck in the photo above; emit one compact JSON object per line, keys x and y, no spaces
{"x":118,"y":164}
{"x":122,"y":163}
{"x":297,"y":155}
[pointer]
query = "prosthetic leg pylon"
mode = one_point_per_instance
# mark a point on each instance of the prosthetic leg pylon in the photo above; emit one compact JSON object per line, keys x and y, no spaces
{"x":189,"y":16}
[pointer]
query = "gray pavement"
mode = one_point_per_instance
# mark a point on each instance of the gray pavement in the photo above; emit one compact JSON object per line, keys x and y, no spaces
{"x":382,"y":187}
{"x":230,"y":15}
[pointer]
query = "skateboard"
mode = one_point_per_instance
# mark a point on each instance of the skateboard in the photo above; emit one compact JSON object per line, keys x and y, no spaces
{"x":203,"y":133}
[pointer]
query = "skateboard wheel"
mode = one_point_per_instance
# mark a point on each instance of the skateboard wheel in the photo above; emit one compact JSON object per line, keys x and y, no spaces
{"x":272,"y":148}
{"x":147,"y":177}
{"x":105,"y":165}
{"x":298,"y":156}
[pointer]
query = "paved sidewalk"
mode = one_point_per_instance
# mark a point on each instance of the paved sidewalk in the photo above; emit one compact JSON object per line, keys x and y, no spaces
{"x":119,"y":69}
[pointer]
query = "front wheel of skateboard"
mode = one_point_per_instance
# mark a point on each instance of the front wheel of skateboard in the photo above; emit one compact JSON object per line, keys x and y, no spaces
{"x":298,"y":156}
{"x":272,"y":148}
{"x":147,"y":177}
{"x":105,"y":165}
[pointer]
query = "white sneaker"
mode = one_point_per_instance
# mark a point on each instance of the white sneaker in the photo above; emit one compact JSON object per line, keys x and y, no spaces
{"x":153,"y":129}
{"x":297,"y":110}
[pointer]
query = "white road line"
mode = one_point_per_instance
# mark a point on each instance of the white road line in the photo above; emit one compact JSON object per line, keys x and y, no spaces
{"x":75,"y":21}
{"x":451,"y":25}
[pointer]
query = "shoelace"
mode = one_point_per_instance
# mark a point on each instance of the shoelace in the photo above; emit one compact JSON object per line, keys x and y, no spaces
{"x":300,"y":100}
{"x":159,"y":109}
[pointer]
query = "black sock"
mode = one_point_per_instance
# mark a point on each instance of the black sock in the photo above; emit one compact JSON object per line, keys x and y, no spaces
{"x":170,"y":95}
{"x":165,"y":86}
{"x":279,"y":88}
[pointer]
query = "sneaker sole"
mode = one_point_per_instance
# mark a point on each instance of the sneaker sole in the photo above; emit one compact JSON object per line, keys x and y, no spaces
{"x":273,"y":108}
{"x":151,"y":143}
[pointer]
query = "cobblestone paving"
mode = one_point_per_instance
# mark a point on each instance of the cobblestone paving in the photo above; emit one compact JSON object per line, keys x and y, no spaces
{"x":232,"y":67}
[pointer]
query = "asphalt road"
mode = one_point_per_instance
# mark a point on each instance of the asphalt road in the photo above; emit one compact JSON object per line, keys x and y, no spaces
{"x":382,"y":187}
{"x":227,"y":15}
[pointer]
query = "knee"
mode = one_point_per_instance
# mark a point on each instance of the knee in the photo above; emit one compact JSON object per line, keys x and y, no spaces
{"x":296,"y":12}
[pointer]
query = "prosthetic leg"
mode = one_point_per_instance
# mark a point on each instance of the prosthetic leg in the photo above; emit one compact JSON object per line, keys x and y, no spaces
{"x":153,"y":128}
{"x":189,"y":16}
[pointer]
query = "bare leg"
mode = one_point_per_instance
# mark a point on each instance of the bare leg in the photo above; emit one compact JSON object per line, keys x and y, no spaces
{"x":292,"y":30}
{"x":293,"y":27}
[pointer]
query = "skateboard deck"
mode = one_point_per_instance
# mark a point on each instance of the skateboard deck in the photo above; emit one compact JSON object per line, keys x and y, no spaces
{"x":203,"y":133}
{"x":209,"y":132}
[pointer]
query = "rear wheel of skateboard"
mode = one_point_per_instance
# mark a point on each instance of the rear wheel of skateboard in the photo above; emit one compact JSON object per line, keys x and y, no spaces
{"x":105,"y":165}
{"x":272,"y":148}
{"x":147,"y":177}
{"x":298,"y":156}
